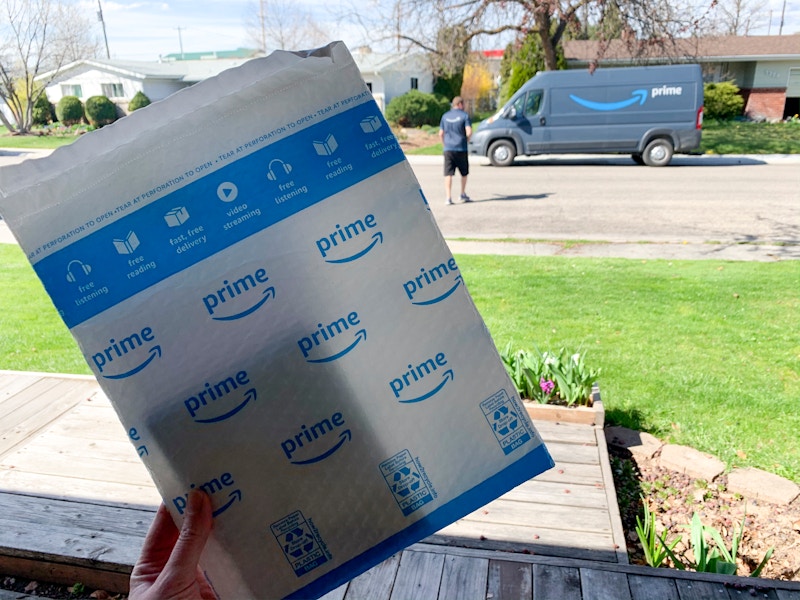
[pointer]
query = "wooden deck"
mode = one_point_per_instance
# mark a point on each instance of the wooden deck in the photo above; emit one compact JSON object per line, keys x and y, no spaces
{"x":76,"y":502}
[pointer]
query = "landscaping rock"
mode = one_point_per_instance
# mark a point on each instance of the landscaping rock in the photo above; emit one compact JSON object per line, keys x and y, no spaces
{"x":690,"y":462}
{"x":758,"y":484}
{"x":638,"y":443}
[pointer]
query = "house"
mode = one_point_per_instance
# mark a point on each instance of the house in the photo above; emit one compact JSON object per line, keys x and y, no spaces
{"x":120,"y":80}
{"x":765,"y":68}
{"x":386,"y":75}
{"x":389,"y":75}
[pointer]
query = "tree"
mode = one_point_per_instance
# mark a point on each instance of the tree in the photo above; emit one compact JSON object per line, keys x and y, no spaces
{"x":739,"y":17}
{"x":643,"y":24}
{"x":37,"y":36}
{"x":283,"y":25}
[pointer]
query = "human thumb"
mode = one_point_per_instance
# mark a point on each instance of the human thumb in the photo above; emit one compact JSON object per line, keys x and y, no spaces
{"x":195,"y":531}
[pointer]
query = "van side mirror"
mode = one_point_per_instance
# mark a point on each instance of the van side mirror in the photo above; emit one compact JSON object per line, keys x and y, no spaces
{"x":511,"y":113}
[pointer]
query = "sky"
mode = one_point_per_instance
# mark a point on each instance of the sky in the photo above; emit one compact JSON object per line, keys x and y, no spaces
{"x":145,"y":30}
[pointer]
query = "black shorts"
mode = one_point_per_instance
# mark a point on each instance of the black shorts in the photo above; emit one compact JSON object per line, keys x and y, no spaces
{"x":456,"y":160}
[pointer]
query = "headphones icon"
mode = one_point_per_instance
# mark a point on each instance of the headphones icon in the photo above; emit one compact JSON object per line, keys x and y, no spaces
{"x":287,"y":168}
{"x":71,"y":276}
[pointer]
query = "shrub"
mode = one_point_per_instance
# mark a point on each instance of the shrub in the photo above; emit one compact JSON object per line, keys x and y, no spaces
{"x":100,"y":111}
{"x":138,"y":101}
{"x":722,"y":101}
{"x":416,"y":108}
{"x":69,"y":110}
{"x":43,"y":111}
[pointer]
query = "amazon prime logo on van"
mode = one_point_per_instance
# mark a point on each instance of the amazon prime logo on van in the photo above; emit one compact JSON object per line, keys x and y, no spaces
{"x":128,"y":355}
{"x":433,"y":284}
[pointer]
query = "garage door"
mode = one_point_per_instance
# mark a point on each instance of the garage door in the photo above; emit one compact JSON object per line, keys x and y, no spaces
{"x":793,"y":89}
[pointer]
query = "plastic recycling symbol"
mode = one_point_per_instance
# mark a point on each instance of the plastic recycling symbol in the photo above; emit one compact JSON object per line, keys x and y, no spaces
{"x":505,"y":420}
{"x":298,"y":542}
{"x":405,"y":481}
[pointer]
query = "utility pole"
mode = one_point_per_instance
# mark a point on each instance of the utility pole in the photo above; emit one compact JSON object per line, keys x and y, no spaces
{"x":103,"y":23}
{"x":262,"y":23}
{"x":783,"y":12}
{"x":180,"y":39}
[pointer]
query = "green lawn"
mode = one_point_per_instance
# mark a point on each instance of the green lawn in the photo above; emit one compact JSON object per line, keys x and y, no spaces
{"x":732,"y":137}
{"x":702,"y":353}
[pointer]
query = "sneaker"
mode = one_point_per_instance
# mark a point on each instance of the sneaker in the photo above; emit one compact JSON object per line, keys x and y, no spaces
{"x":465,"y":198}
{"x":449,"y":201}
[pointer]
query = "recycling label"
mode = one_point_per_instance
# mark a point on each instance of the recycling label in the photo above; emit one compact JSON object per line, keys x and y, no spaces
{"x":300,"y":542}
{"x":408,"y":482}
{"x":503,"y":415}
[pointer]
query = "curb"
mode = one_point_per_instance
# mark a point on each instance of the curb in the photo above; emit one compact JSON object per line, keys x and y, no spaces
{"x":747,"y":481}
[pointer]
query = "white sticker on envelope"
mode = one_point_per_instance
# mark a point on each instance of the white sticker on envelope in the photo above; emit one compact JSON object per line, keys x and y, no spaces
{"x":253,"y":274}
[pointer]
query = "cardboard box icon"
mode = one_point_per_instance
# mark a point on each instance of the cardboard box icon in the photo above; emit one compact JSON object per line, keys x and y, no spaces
{"x":177,"y":216}
{"x":327,"y":147}
{"x":127,"y":245}
{"x":370,"y":124}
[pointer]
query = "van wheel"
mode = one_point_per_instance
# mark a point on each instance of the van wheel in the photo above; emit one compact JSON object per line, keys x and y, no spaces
{"x":502,"y":153}
{"x":658,"y":153}
{"x":637,"y":158}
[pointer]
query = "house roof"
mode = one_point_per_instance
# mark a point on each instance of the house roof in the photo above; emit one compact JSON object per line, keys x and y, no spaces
{"x":728,"y":48}
{"x":189,"y":71}
{"x":214,"y":54}
{"x":375,"y":62}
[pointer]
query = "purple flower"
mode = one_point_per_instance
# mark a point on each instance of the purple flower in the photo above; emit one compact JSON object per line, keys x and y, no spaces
{"x":547,"y":386}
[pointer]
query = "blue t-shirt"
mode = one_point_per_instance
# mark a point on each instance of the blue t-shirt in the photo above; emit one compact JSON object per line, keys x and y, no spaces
{"x":454,"y":123}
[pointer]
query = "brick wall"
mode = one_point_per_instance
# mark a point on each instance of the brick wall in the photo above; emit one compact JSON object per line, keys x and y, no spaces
{"x":764,"y":103}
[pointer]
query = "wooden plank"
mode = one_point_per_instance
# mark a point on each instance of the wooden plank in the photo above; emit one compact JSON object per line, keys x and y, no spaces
{"x":509,"y":581}
{"x":568,"y":494}
{"x":74,"y":489}
{"x":39,"y":412}
{"x":573,"y":454}
{"x":700,"y":590}
{"x":79,"y":448}
{"x":97,"y":468}
{"x":746,"y":592}
{"x":30,"y":395}
{"x":617,"y":531}
{"x":562,"y":583}
{"x":464,"y":578}
{"x":11,"y":384}
{"x":554,"y":516}
{"x":46,"y":569}
{"x":647,"y":588}
{"x":550,"y":431}
{"x":419,"y":576}
{"x":375,"y":584}
{"x":518,"y":538}
{"x":573,"y":473}
{"x":600,"y":585}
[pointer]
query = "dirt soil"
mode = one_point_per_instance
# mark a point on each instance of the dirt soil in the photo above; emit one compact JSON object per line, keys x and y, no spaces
{"x":675,"y":497}
{"x":412,"y":138}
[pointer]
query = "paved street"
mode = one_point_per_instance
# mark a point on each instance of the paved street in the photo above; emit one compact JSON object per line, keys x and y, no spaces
{"x":731,"y":207}
{"x":744,"y":208}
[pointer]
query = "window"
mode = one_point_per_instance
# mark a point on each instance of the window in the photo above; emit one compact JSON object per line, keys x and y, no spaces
{"x":71,"y":90}
{"x":369,"y":85}
{"x":414,"y":83}
{"x":112,"y":90}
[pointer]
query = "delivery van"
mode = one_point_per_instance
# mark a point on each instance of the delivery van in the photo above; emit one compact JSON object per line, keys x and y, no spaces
{"x":647,"y":112}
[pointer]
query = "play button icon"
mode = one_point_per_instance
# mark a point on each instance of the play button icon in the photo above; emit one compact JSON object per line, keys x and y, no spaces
{"x":227,"y":191}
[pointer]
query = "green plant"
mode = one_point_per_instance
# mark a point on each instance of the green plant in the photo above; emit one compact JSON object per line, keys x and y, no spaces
{"x":69,"y":110}
{"x":100,"y":111}
{"x":43,"y":111}
{"x":547,"y":377}
{"x":656,"y":548}
{"x":77,"y":589}
{"x":710,"y":554}
{"x":416,"y":108}
{"x":722,"y":100}
{"x":138,"y":101}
